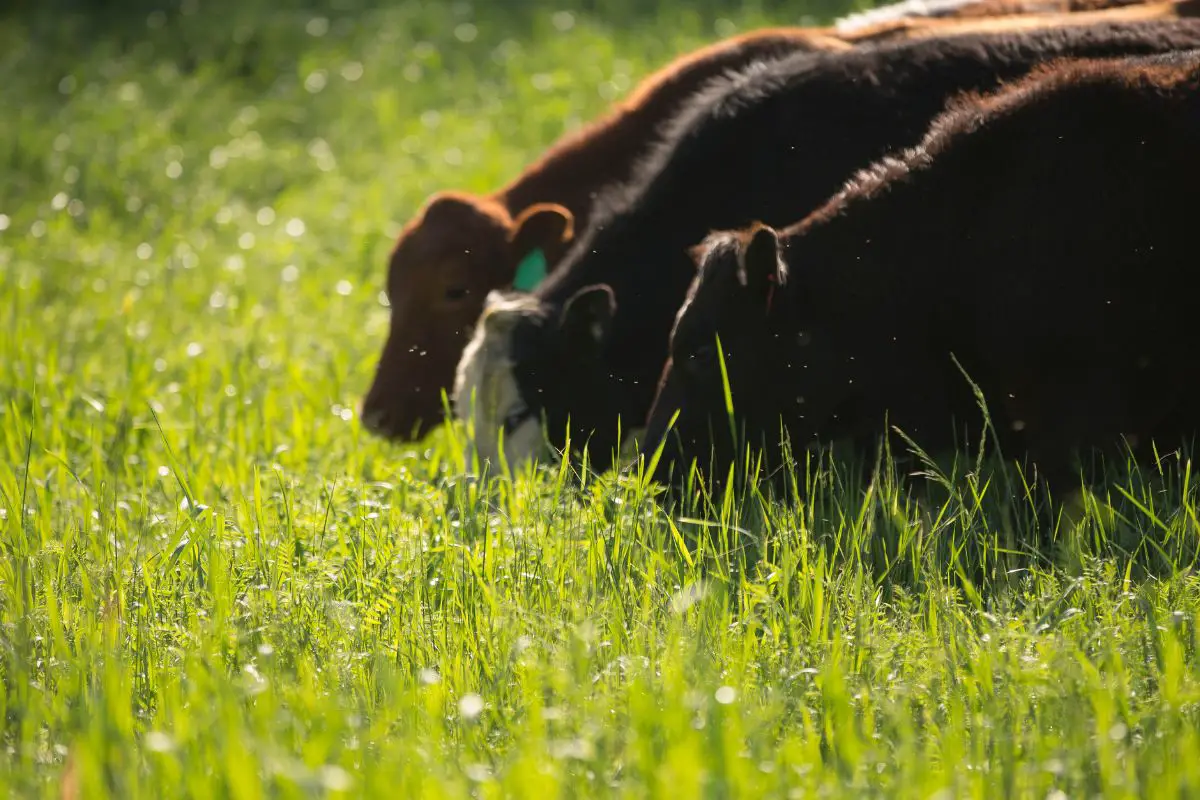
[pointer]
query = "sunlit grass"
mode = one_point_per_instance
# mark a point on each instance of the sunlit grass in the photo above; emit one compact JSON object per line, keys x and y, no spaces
{"x":214,"y":583}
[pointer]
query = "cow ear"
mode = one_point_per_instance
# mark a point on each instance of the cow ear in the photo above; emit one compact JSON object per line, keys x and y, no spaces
{"x":587,"y":316}
{"x":761,"y":267}
{"x":539,"y":237}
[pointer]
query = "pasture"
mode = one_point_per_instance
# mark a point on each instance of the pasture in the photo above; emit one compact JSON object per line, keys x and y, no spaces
{"x":213,"y":582}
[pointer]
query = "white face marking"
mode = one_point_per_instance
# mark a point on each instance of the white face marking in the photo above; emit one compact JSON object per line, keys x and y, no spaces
{"x":485,"y":389}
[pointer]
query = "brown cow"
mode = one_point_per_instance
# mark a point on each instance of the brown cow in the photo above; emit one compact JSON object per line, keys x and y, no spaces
{"x":461,"y":246}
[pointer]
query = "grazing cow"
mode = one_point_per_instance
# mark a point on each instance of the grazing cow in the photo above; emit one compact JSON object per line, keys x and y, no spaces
{"x":770,"y":143}
{"x":460,"y":246}
{"x":1039,"y":236}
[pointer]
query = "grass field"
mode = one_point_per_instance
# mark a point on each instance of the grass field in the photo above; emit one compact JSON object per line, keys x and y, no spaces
{"x":214,"y":584}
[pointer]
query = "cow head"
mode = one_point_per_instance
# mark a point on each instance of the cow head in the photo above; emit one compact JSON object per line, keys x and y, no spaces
{"x":734,"y":300}
{"x":457,"y":249}
{"x":526,"y":362}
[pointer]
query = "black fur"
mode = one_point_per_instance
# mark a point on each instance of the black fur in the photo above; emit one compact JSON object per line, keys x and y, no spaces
{"x":769,"y":143}
{"x":1043,"y":236}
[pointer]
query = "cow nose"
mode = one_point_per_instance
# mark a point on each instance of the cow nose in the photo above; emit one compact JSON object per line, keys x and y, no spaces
{"x":377,"y":421}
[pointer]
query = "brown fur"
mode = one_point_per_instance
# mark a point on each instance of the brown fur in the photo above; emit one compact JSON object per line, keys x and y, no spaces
{"x":992,"y":18}
{"x":460,"y":246}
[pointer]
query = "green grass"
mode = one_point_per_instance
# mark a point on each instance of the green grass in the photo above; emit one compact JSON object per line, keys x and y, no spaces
{"x":213,"y":583}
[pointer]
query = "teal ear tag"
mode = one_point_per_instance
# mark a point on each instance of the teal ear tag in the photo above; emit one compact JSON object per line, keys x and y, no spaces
{"x":530,"y":271}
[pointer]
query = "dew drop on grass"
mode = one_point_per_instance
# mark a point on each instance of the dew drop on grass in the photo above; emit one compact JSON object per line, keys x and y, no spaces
{"x":129,"y":93}
{"x":38,"y":229}
{"x":265,"y":216}
{"x":217,"y":299}
{"x":466,"y":32}
{"x":352,"y":71}
{"x":60,"y":201}
{"x":71,"y":174}
{"x":315,"y":81}
{"x":144,"y":251}
{"x":246,"y":240}
{"x":470,"y":706}
{"x":344,"y":288}
{"x":428,"y":677}
{"x":725,"y":695}
{"x":4,"y":222}
{"x":335,"y":779}
{"x":159,"y":742}
{"x":62,"y":142}
{"x":194,"y":349}
{"x":295,"y":227}
{"x":317,"y":26}
{"x":160,"y":365}
{"x":163,"y":472}
{"x":563,"y":21}
{"x":289,"y":274}
{"x":174,"y":170}
{"x":478,"y":772}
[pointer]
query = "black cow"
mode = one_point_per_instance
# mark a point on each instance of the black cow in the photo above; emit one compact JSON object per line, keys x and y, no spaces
{"x":1040,"y":236}
{"x":768,"y":143}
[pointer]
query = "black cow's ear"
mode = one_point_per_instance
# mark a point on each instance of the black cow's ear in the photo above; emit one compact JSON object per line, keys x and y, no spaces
{"x":587,"y":316}
{"x":761,"y":265}
{"x":543,"y":230}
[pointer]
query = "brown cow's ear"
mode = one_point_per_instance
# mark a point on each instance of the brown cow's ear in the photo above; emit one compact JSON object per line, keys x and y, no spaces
{"x":761,"y":266}
{"x":549,"y":227}
{"x":587,"y":316}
